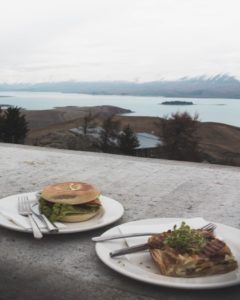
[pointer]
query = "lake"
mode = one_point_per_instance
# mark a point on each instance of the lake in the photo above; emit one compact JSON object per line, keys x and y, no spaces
{"x":215,"y":110}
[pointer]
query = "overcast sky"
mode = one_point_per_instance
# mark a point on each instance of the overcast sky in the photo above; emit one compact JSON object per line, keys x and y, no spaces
{"x":142,"y":40}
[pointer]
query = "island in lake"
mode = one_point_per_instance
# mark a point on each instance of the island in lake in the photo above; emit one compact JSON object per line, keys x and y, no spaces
{"x":177,"y":103}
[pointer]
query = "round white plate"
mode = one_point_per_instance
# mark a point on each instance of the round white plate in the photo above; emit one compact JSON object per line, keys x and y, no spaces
{"x":112,"y":211}
{"x":140,"y":266}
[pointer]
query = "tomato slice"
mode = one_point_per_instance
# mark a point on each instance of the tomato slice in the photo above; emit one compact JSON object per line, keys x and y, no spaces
{"x":94,"y":202}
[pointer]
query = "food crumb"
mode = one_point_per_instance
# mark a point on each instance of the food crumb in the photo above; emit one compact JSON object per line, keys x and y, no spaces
{"x":148,"y":267}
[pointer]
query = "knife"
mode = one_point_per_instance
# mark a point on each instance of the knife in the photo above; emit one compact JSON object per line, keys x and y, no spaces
{"x":120,"y":236}
{"x":128,"y":250}
{"x":51,"y":227}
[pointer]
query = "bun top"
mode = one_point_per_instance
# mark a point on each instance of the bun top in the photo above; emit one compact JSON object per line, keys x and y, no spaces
{"x":70,"y":193}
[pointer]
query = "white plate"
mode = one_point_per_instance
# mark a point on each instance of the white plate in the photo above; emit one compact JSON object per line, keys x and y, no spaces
{"x":140,"y":266}
{"x":112,"y":211}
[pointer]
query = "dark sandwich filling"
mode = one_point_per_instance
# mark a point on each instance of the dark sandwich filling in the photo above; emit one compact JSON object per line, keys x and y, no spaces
{"x":57,"y":211}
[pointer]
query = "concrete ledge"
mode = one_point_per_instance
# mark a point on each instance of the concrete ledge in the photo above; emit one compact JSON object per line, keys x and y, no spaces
{"x":66,"y":267}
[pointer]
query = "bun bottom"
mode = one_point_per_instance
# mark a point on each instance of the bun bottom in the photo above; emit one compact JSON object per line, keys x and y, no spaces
{"x":74,"y":218}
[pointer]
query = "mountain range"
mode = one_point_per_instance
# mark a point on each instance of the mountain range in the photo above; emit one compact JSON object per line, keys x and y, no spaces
{"x":219,"y":86}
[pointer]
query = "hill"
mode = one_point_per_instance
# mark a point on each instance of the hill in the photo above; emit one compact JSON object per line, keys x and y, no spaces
{"x":219,"y":86}
{"x":220,"y":143}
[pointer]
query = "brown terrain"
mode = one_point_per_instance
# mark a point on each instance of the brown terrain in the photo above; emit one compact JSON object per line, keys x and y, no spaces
{"x":219,"y":142}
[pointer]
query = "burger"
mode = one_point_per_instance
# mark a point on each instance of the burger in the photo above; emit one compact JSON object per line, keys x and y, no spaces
{"x":70,"y":202}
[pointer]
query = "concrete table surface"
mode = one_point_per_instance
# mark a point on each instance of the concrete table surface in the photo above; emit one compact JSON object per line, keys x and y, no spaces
{"x":66,"y":266}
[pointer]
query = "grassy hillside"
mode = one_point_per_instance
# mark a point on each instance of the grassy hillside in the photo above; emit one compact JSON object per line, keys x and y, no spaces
{"x":219,"y":142}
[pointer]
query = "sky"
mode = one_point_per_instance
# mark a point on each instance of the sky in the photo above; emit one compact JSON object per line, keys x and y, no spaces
{"x":135,"y":40}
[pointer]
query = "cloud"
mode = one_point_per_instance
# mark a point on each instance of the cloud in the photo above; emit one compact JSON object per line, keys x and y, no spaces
{"x":118,"y":39}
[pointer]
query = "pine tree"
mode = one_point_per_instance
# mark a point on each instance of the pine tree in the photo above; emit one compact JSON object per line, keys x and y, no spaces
{"x":88,"y":120}
{"x":1,"y":124}
{"x":128,"y":141}
{"x":109,"y":134}
{"x":14,"y":126}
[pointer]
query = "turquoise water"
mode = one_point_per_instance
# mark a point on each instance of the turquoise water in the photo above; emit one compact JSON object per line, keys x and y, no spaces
{"x":216,"y":110}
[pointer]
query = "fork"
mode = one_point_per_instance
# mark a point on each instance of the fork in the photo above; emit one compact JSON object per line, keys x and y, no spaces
{"x":24,"y":209}
{"x":209,"y":227}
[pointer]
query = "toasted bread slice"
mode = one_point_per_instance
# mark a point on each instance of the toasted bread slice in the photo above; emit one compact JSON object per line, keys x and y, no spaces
{"x":215,"y":258}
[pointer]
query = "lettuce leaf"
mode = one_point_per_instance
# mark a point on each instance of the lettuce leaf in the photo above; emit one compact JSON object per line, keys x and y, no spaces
{"x":57,"y":211}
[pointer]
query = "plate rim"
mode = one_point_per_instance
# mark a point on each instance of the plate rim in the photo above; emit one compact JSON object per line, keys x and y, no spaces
{"x":111,"y":263}
{"x":18,"y":228}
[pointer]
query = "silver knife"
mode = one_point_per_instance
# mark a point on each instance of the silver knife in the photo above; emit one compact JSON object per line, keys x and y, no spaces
{"x":120,"y":236}
{"x":50,"y":226}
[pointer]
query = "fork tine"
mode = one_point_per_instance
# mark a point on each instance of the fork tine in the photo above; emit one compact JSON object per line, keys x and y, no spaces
{"x":20,"y":204}
{"x":25,"y":203}
{"x":209,"y":227}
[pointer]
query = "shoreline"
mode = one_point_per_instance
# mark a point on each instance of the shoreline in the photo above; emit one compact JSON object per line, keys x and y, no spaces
{"x":215,"y":110}
{"x":72,"y":111}
{"x":209,"y":111}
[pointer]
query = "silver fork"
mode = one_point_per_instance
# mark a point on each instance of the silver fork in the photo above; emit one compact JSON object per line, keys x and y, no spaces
{"x":24,"y":209}
{"x":209,"y":227}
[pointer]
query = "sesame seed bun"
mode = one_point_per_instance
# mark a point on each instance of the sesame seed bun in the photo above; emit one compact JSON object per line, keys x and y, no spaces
{"x":72,"y":193}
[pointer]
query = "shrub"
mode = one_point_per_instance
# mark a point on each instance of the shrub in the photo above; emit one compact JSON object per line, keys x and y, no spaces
{"x":180,"y":138}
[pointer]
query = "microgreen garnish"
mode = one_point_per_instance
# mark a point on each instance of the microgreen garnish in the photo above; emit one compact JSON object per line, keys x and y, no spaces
{"x":185,"y":239}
